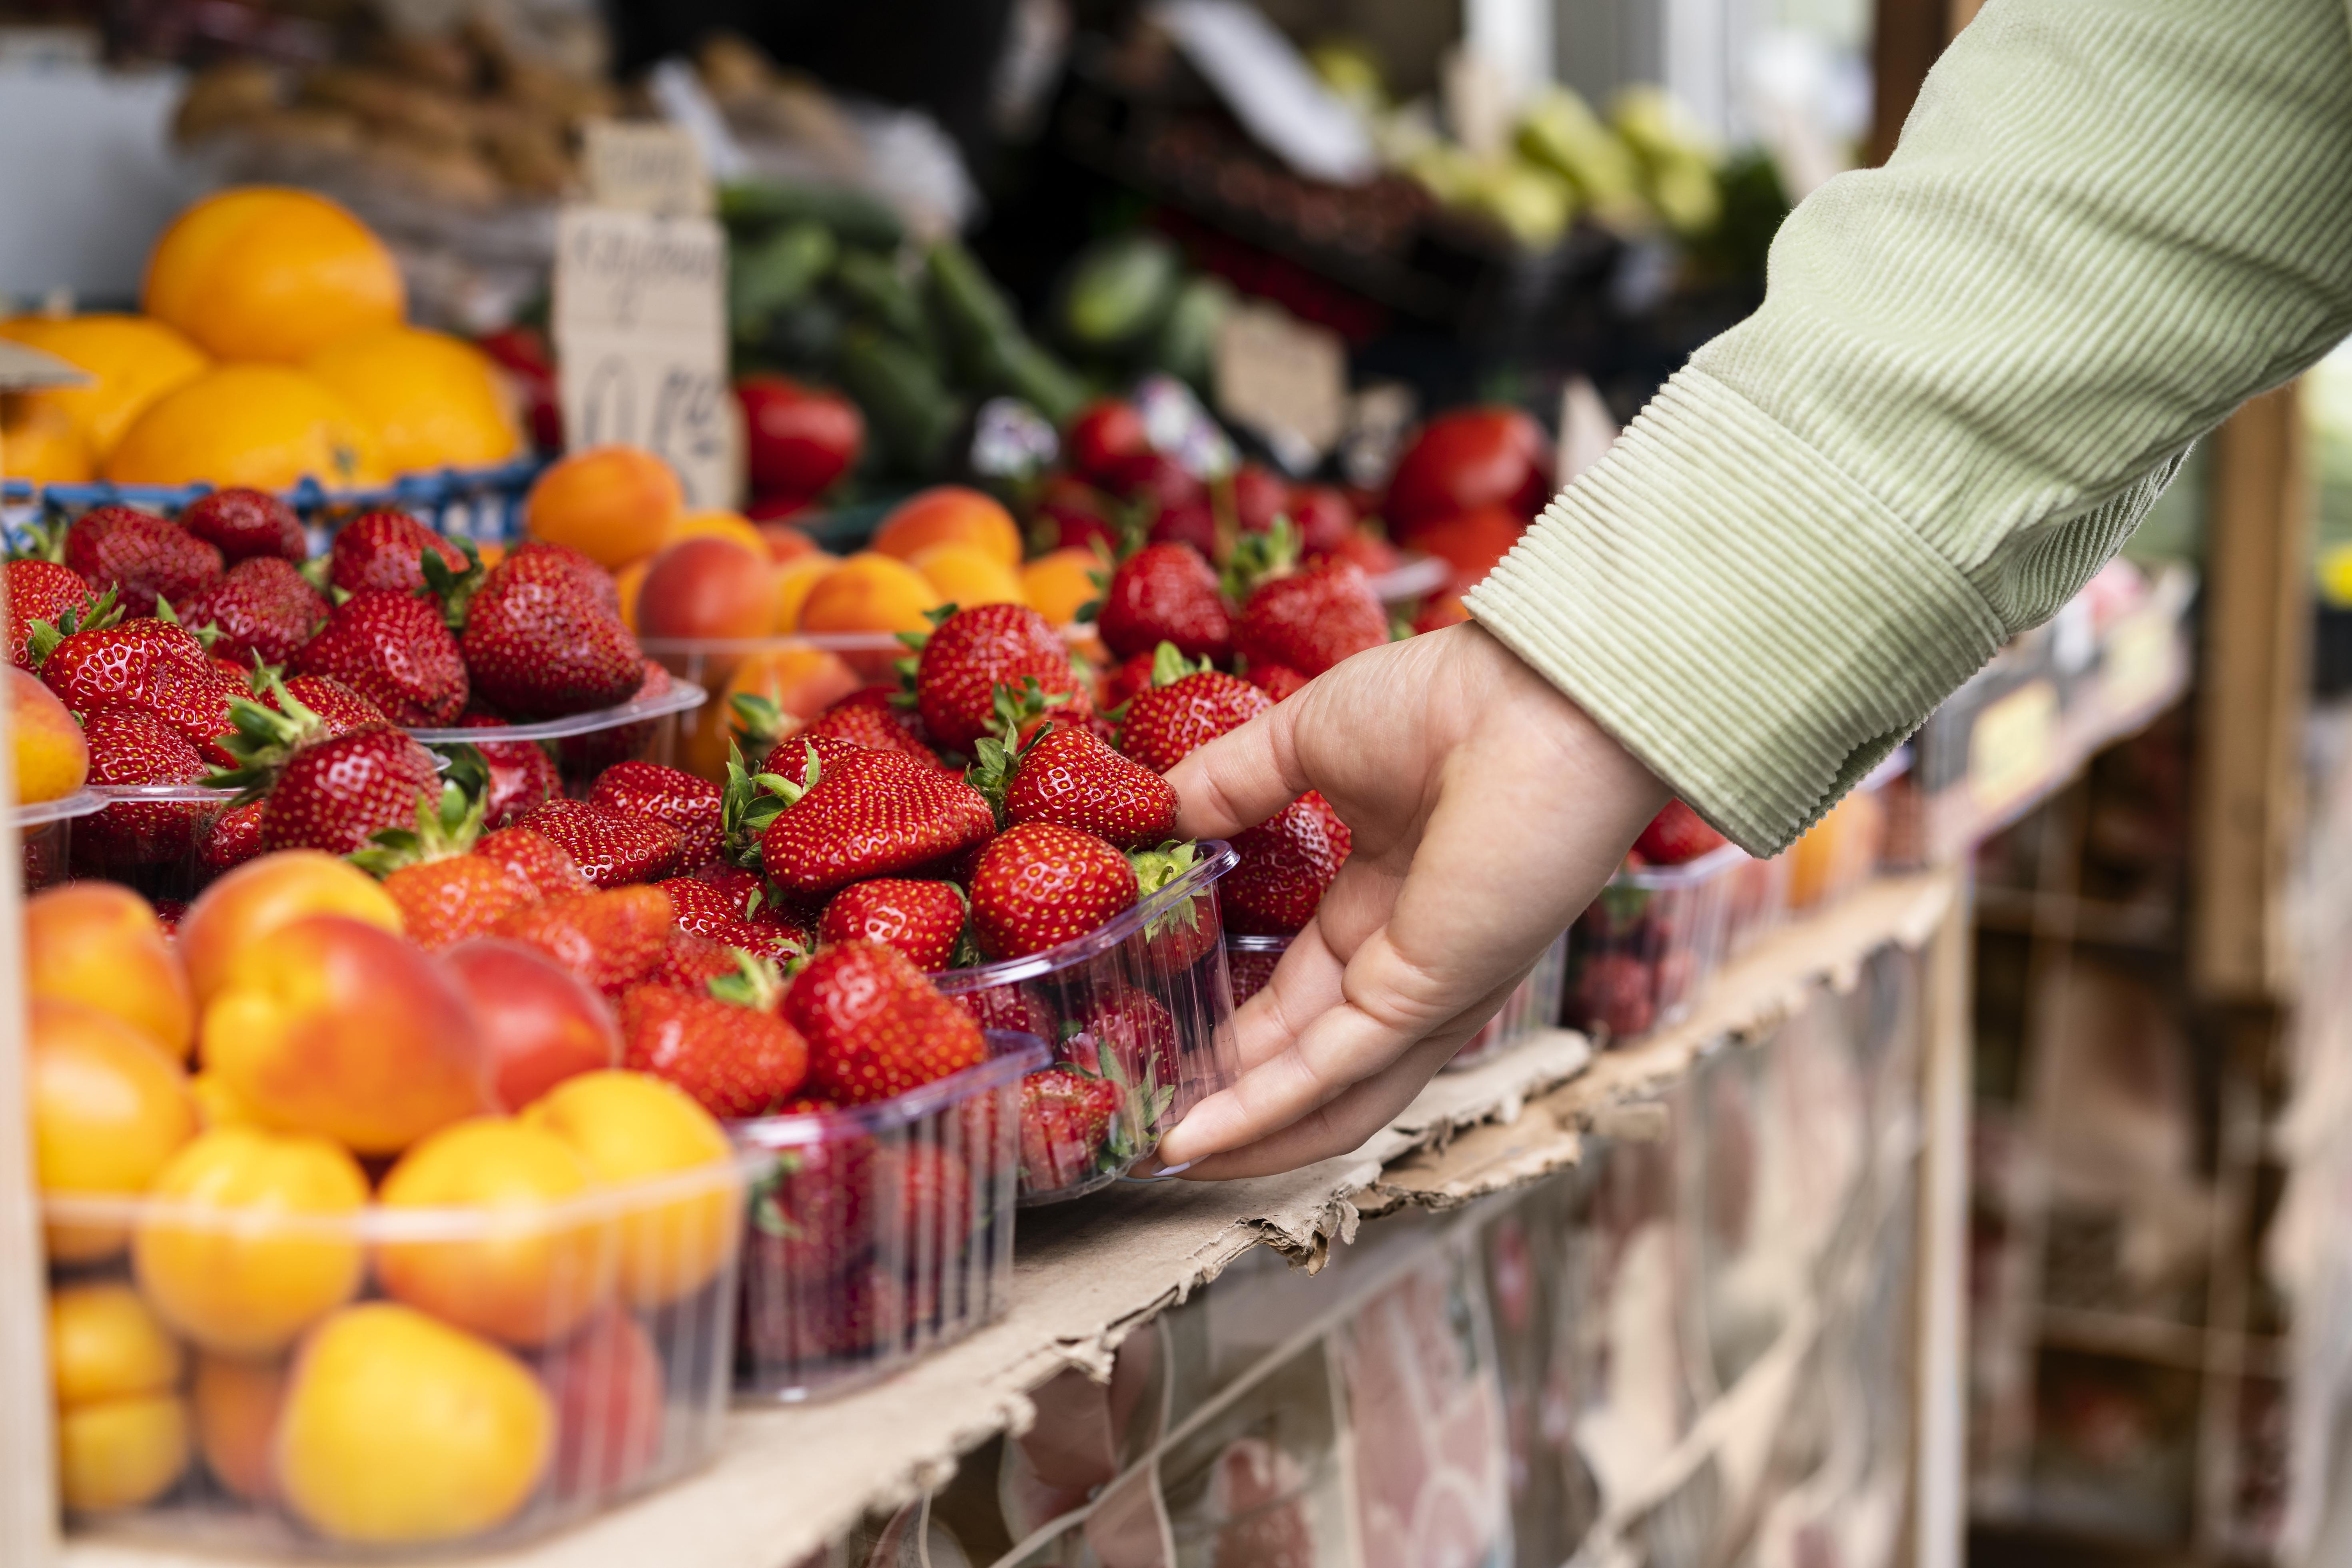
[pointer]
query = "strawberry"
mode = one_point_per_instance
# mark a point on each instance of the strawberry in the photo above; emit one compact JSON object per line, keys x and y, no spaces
{"x":921,"y":920}
{"x":609,"y":939}
{"x":974,"y":651}
{"x":140,"y":556}
{"x":812,"y":1220}
{"x":1174,"y":716}
{"x":383,"y":552}
{"x":724,"y":1047}
{"x":1676,"y":836}
{"x":560,"y":560}
{"x":1278,"y":681}
{"x":689,"y":804}
{"x":393,"y":649}
{"x":1040,"y":884}
{"x":1139,"y":1029}
{"x":1066,"y":1122}
{"x":131,"y":747}
{"x":1312,"y":619}
{"x":1119,"y":685}
{"x":1185,"y":928}
{"x":1014,"y":1007}
{"x":1287,"y":862}
{"x":792,"y":757}
{"x":540,"y":644}
{"x":1165,"y":593}
{"x":124,"y":664}
{"x":336,"y":793}
{"x":1368,"y":550}
{"x":339,"y":708}
{"x":611,"y":847}
{"x":522,"y":776}
{"x":735,"y":882}
{"x":245,"y":524}
{"x":869,"y":717}
{"x":787,"y":922}
{"x":870,"y":814}
{"x":445,"y":892}
{"x":1064,"y":774}
{"x":934,"y":1191}
{"x":230,"y":838}
{"x":262,"y":608}
{"x":699,"y":907}
{"x":41,"y":591}
{"x":1614,"y":995}
{"x":545,"y":864}
{"x":585,"y":756}
{"x":689,"y":962}
{"x":777,"y":943}
{"x":875,"y":1027}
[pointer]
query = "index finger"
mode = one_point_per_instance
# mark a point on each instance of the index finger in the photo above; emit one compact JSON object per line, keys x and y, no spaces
{"x":1239,"y":779}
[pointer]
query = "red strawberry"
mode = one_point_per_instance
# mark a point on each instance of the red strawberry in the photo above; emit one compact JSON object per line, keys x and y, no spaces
{"x":445,"y":892}
{"x":875,"y":1027}
{"x":789,"y":758}
{"x":1064,"y":774}
{"x":1165,"y":593}
{"x":1376,"y":555}
{"x":523,"y":778}
{"x":41,"y":591}
{"x":972,"y":653}
{"x":230,"y":838}
{"x":336,"y":791}
{"x":140,"y":556}
{"x":776,"y":943}
{"x":1167,"y":722}
{"x":735,"y":882}
{"x":1066,"y":1122}
{"x":1014,"y":1007}
{"x":131,"y":747}
{"x":1119,"y":685}
{"x":539,"y":645}
{"x":576,"y":567}
{"x":1676,"y":834}
{"x":812,"y":1222}
{"x":868,"y":718}
{"x":1040,"y":884}
{"x":736,"y":1060}
{"x":689,"y":962}
{"x":384,"y":552}
{"x":689,"y":804}
{"x":393,"y":649}
{"x":339,"y":708}
{"x":1140,"y":1032}
{"x":869,"y":814}
{"x":544,"y":864}
{"x":611,"y":847}
{"x":584,"y":756}
{"x":610,"y":939}
{"x":785,"y":922}
{"x":1278,"y":681}
{"x":247,"y":524}
{"x":1287,"y":862}
{"x":700,"y":907}
{"x":1312,"y":619}
{"x":1614,"y":995}
{"x":260,"y":606}
{"x":921,"y":920}
{"x":109,"y":665}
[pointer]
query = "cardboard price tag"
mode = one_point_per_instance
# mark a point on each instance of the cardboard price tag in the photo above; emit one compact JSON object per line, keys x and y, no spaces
{"x":644,"y":166}
{"x":2137,"y":663}
{"x":1285,"y":378}
{"x":2013,"y":746}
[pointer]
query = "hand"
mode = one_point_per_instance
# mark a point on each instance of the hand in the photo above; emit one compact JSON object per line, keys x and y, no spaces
{"x":1486,"y":812}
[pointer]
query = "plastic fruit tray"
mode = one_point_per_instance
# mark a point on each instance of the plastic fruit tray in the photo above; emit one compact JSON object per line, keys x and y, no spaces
{"x":585,"y":745}
{"x":1842,"y":850}
{"x":1758,"y":901}
{"x":44,"y":834}
{"x":878,"y":1232}
{"x":1143,"y":1000}
{"x":391,"y":1379}
{"x":1532,"y":1006}
{"x":1640,"y":954}
{"x":149,"y":837}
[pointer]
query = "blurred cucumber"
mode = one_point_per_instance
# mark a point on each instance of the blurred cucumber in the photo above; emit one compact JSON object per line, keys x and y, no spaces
{"x":1186,"y":344}
{"x":770,"y":275}
{"x":1118,"y":290}
{"x":855,"y":218}
{"x":900,"y":391}
{"x":872,"y":284}
{"x":992,"y":351}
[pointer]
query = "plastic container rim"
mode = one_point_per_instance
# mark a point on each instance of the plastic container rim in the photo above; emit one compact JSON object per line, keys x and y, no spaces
{"x":83,"y":802}
{"x":1690,"y":873}
{"x":681,"y":696}
{"x":1012,"y":1054}
{"x":1216,"y":859}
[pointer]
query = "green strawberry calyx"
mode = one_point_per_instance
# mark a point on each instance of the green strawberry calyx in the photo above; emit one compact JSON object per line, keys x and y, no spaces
{"x":41,"y":640}
{"x":756,"y":983}
{"x":751,"y":801}
{"x":1259,"y":558}
{"x":454,"y":589}
{"x":757,"y":722}
{"x":260,"y":738}
{"x":1157,"y":868}
{"x":1169,"y":666}
{"x":444,"y":829}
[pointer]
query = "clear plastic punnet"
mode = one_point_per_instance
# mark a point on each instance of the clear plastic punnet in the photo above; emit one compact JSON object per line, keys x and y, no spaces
{"x":865,"y":657}
{"x":643,"y":729}
{"x":1640,"y":954}
{"x":1143,"y":1003}
{"x":878,"y":1232}
{"x":158,"y":838}
{"x":1757,"y":902}
{"x":387,"y":1380}
{"x":44,"y":834}
{"x":1532,"y":1006}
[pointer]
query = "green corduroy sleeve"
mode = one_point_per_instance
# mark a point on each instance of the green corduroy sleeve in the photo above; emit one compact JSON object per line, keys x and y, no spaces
{"x":2108,"y":223}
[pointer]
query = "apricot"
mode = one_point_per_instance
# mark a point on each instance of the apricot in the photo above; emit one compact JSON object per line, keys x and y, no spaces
{"x":100,"y":944}
{"x":105,"y":1343}
{"x":110,"y":1110}
{"x":869,"y":592}
{"x":48,"y":759}
{"x":612,"y":504}
{"x":338,"y":1027}
{"x":120,"y":1453}
{"x":966,"y":574}
{"x":236,"y":1404}
{"x":253,"y":903}
{"x":1061,"y":582}
{"x":950,"y":514}
{"x":792,"y":582}
{"x":800,"y":680}
{"x":708,"y":587}
{"x":281,"y":1249}
{"x":632,"y":1129}
{"x":628,"y":584}
{"x":786,"y":542}
{"x":717,"y":524}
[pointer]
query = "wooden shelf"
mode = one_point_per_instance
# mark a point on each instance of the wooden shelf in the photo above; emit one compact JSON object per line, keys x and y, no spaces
{"x":1085,"y":1274}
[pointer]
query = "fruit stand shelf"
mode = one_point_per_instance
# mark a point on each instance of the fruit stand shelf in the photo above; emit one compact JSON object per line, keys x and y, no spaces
{"x":791,"y":1477}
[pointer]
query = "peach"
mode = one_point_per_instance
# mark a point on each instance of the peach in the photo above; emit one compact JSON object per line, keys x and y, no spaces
{"x":339,"y":1027}
{"x":716,"y":524}
{"x":628,"y":584}
{"x":707,"y":587}
{"x":236,"y":1404}
{"x":50,"y":759}
{"x":613,"y":504}
{"x":538,"y":1023}
{"x":791,"y":581}
{"x":101,"y":943}
{"x":1061,"y":582}
{"x":606,"y":1382}
{"x":869,"y":592}
{"x":109,"y":1112}
{"x":950,"y":514}
{"x":802,"y":681}
{"x":786,"y":542}
{"x":966,"y":574}
{"x":253,"y":903}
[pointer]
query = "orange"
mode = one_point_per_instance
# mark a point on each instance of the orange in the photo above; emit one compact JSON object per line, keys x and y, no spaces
{"x":436,"y":401}
{"x":950,"y":514}
{"x":40,"y":444}
{"x":612,"y":504}
{"x":792,"y":580}
{"x":98,"y":943}
{"x":966,"y":574}
{"x":131,"y":361}
{"x":282,"y":1251}
{"x":110,"y":1113}
{"x":731,"y":525}
{"x":120,"y":1453}
{"x":1061,"y":582}
{"x":265,"y":273}
{"x":398,"y":1430}
{"x":869,"y":592}
{"x":262,"y":426}
{"x":801,"y":680}
{"x":104,"y":1343}
{"x":634,"y":1128}
{"x":50,"y":759}
{"x":237,"y":1405}
{"x":529,"y":1278}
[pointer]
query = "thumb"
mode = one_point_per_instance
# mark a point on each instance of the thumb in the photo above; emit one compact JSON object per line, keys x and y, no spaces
{"x":1240,"y":778}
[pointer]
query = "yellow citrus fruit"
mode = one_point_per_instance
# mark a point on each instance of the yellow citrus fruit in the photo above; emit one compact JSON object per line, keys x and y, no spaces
{"x":435,"y":401}
{"x":120,"y":1453}
{"x":104,"y":1343}
{"x":265,"y":273}
{"x":869,"y":592}
{"x":110,"y":1113}
{"x":532,"y":1275}
{"x":49,"y":757}
{"x":40,"y":444}
{"x":612,"y":504}
{"x":282,"y":1252}
{"x":631,"y":1128}
{"x":236,"y":1404}
{"x":131,"y":361}
{"x":399,"y":1430}
{"x":261,"y":425}
{"x":950,"y":514}
{"x":717,"y":524}
{"x":1060,"y":583}
{"x":99,"y":943}
{"x":792,"y":581}
{"x":966,"y":574}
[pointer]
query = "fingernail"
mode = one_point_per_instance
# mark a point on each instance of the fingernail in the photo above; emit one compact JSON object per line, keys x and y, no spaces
{"x":1178,"y":1169}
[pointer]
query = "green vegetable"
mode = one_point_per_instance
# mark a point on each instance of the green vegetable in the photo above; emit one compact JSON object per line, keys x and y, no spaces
{"x":991,"y":349}
{"x":873,"y":285}
{"x":1118,"y":292}
{"x":770,"y":275}
{"x":1186,"y":344}
{"x":855,"y":218}
{"x":910,"y":409}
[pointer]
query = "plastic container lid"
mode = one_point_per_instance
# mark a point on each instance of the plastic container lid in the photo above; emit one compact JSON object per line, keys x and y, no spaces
{"x":680,"y":696}
{"x":1012,"y":1054}
{"x":1713,"y":863}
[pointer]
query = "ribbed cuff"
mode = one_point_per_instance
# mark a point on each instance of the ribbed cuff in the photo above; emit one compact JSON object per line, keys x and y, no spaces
{"x":1740,"y":614}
